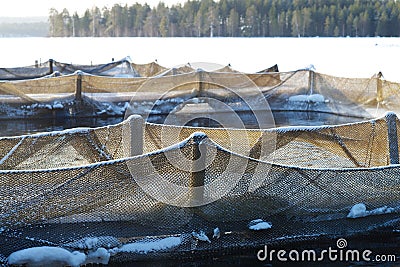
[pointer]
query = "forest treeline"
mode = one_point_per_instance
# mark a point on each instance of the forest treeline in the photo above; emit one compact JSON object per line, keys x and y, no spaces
{"x":234,"y":18}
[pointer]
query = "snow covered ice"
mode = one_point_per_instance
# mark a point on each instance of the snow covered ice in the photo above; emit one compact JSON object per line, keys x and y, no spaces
{"x":146,"y":246}
{"x":259,"y":224}
{"x":46,"y":256}
{"x":100,"y":256}
{"x":360,"y":210}
{"x":56,"y":256}
{"x":201,"y":236}
{"x":313,"y":98}
{"x":216,"y":233}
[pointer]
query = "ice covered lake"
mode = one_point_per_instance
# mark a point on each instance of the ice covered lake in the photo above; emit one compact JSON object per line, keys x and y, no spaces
{"x":347,"y":57}
{"x":344,"y":57}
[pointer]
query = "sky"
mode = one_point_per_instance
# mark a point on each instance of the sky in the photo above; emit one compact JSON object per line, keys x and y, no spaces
{"x":30,"y":8}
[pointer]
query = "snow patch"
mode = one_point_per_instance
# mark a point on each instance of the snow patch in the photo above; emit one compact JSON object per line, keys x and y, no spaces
{"x":259,"y":224}
{"x":360,"y":210}
{"x":87,"y":243}
{"x":146,"y":246}
{"x":310,"y":67}
{"x":100,"y":256}
{"x":46,"y":256}
{"x":101,"y":112}
{"x":216,"y":233}
{"x":92,"y":243}
{"x":201,"y":236}
{"x":198,"y":135}
{"x":58,"y":105}
{"x":195,"y":100}
{"x":313,"y":98}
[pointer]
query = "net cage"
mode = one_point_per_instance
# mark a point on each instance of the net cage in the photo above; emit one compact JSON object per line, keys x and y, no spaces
{"x":106,"y":192}
{"x":120,"y":68}
{"x":96,"y":191}
{"x":304,"y":94}
{"x":123,"y":68}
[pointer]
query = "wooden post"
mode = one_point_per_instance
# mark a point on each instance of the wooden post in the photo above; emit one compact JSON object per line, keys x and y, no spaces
{"x":51,"y":68}
{"x":78,"y":89}
{"x":201,"y":83}
{"x":392,"y":138}
{"x":311,"y":78}
{"x":136,"y":134}
{"x":197,"y":177}
{"x":379,"y":93}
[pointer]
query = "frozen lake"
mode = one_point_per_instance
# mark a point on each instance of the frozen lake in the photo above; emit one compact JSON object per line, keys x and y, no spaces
{"x":346,"y":57}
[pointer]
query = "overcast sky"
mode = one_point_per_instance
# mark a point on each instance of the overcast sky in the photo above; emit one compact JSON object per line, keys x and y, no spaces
{"x":29,"y":8}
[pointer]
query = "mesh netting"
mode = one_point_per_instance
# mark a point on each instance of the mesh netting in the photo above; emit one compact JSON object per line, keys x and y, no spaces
{"x":86,"y":188}
{"x":303,"y":94}
{"x":89,"y":197}
{"x":149,"y":70}
{"x":27,"y":72}
{"x":79,"y":146}
{"x":120,"y":68}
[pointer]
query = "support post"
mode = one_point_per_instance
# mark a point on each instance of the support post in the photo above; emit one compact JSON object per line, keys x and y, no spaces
{"x":197,"y":177}
{"x":311,"y":78}
{"x":201,"y":83}
{"x":379,"y":93}
{"x":392,"y":138}
{"x":51,"y":67}
{"x":136,"y":134}
{"x":78,"y":89}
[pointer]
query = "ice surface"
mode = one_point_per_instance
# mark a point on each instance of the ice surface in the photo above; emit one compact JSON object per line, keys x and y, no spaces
{"x":380,"y":53}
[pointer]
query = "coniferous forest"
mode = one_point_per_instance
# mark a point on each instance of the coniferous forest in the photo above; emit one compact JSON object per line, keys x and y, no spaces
{"x":234,"y":18}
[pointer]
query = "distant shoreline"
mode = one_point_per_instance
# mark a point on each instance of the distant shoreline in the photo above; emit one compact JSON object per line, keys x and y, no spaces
{"x":24,"y":27}
{"x":33,"y":19}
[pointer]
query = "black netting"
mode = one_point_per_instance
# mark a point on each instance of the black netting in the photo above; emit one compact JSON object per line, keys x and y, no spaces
{"x":114,"y":202}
